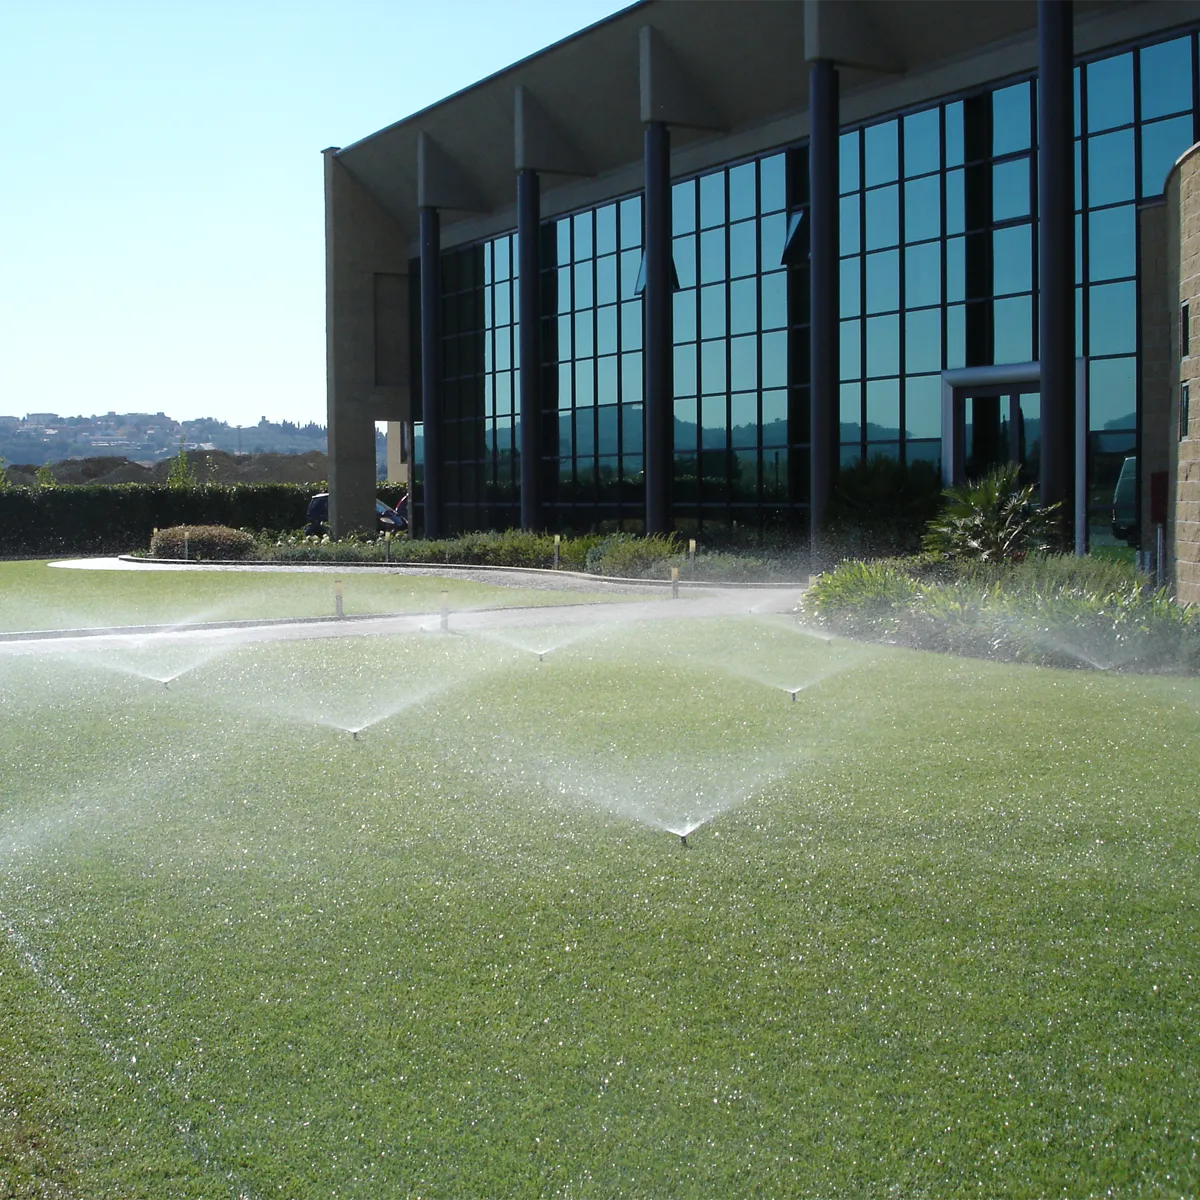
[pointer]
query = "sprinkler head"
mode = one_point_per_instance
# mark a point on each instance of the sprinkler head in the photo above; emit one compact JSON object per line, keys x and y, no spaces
{"x":167,"y":684}
{"x":793,"y":697}
{"x":541,"y":658}
{"x":354,"y":734}
{"x":683,"y":840}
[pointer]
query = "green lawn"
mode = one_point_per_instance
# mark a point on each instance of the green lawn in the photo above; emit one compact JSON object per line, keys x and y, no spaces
{"x":941,"y":940}
{"x":36,"y":596}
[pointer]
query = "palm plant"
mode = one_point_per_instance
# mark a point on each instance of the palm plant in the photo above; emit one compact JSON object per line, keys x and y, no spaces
{"x":993,"y":519}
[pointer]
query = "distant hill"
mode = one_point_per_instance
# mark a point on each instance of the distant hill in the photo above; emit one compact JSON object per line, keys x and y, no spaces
{"x":211,"y":466}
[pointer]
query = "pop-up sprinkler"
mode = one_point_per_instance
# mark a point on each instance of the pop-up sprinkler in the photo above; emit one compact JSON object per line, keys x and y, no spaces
{"x":683,"y":841}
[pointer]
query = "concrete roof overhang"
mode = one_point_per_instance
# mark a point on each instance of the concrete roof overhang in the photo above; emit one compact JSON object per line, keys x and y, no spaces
{"x":747,"y":59}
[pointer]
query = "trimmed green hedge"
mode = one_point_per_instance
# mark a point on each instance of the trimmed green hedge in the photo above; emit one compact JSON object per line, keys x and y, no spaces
{"x":203,"y":542}
{"x":119,"y":518}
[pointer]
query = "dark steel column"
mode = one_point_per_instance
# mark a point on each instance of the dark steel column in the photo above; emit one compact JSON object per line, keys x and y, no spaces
{"x":1056,"y":253}
{"x":431,"y":366}
{"x":824,"y":329}
{"x":657,"y":317}
{"x":529,"y":315}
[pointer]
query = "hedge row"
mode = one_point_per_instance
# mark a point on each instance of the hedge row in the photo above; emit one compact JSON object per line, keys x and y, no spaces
{"x":119,"y":518}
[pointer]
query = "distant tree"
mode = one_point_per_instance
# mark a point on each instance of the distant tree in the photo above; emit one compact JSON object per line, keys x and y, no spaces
{"x":181,"y":475}
{"x":4,"y":485}
{"x":43,"y":477}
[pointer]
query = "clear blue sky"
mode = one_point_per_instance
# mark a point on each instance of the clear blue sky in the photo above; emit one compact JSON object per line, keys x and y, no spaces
{"x":161,"y":208}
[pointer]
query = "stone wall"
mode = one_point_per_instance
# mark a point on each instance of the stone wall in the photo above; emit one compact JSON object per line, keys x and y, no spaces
{"x":1183,"y":528}
{"x":1156,"y":364}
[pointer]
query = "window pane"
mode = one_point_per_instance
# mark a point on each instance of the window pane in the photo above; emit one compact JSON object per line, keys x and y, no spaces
{"x":712,"y":366}
{"x":883,"y":410}
{"x":743,"y":419}
{"x":772,"y":184}
{"x":848,"y":222}
{"x":956,"y":268}
{"x":1110,"y":92}
{"x":883,"y":281}
{"x":683,"y":207}
{"x":1112,"y":322}
{"x":1112,"y":243}
{"x":606,"y":279}
{"x":923,"y":406}
{"x":921,"y":150}
{"x":956,"y":220}
{"x":1166,"y":78}
{"x":606,"y":229}
{"x":772,"y":234}
{"x":774,"y":418}
{"x":712,"y":256}
{"x":850,"y":411}
{"x":774,"y":360}
{"x":743,"y":363}
{"x":743,"y":306}
{"x":882,"y":225}
{"x":1112,"y":393}
{"x":686,"y":374}
{"x":631,"y":378}
{"x":1010,"y":119}
{"x":743,"y":249}
{"x":631,"y":325}
{"x":923,"y":340}
{"x":585,"y":392}
{"x":954,"y":134}
{"x":1012,"y":260}
{"x":774,"y":300}
{"x":883,"y":345}
{"x":583,"y":290}
{"x":712,"y":200}
{"x":1162,"y":143}
{"x":1110,"y":168}
{"x":683,"y":250}
{"x":1013,"y":329}
{"x":565,"y":341}
{"x":1010,"y":190}
{"x":583,"y":333}
{"x":631,"y":222}
{"x":712,"y":311}
{"x":922,"y":209}
{"x":581,"y":225}
{"x":923,"y":275}
{"x":848,"y":162}
{"x":850,"y":287}
{"x":631,"y":429}
{"x":684,"y":306}
{"x":631,"y":261}
{"x":880,"y":151}
{"x":956,"y":336}
{"x":606,"y":330}
{"x":713,"y":422}
{"x":606,"y":383}
{"x":851,"y":350}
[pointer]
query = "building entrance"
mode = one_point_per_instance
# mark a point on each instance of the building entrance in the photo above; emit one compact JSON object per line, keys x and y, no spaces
{"x":1002,"y":429}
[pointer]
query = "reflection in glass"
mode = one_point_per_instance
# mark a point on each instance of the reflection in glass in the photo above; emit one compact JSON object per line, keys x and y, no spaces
{"x":1110,"y":92}
{"x":956,"y":336}
{"x":1112,"y":241}
{"x":774,"y":418}
{"x":883,"y":345}
{"x":713,"y":422}
{"x":1010,"y":189}
{"x":956,"y":218}
{"x":686,"y":415}
{"x":883,"y":281}
{"x":882,"y":224}
{"x":1013,"y":329}
{"x":1162,"y":143}
{"x":581,"y":225}
{"x":880,"y":153}
{"x":683,"y":250}
{"x":606,"y":279}
{"x":712,"y":256}
{"x":883,"y":409}
{"x":631,"y":324}
{"x":851,"y":349}
{"x":1112,"y":318}
{"x":743,"y":249}
{"x":631,"y":223}
{"x":1012,"y":259}
{"x":1110,"y":168}
{"x":585,"y":387}
{"x":685,"y":369}
{"x":606,"y":380}
{"x":742,"y":200}
{"x":606,"y":429}
{"x":774,"y":360}
{"x":631,"y":378}
{"x":1166,"y":78}
{"x":774,"y":300}
{"x":1112,"y":393}
{"x":583,"y":333}
{"x":773,"y":234}
{"x":1010,"y":119}
{"x":565,"y":341}
{"x":631,"y":261}
{"x":848,"y":230}
{"x":712,"y":366}
{"x":712,"y":200}
{"x":712,"y":311}
{"x":606,"y":330}
{"x":849,"y":289}
{"x":954,"y":134}
{"x":923,"y":406}
{"x":850,"y":411}
{"x":923,"y":340}
{"x":922,"y":209}
{"x":583,"y":289}
{"x":743,"y":363}
{"x":923,"y":274}
{"x":848,"y":162}
{"x":921,"y":134}
{"x":631,"y":429}
{"x":743,"y":418}
{"x":743,"y":306}
{"x":956,"y":268}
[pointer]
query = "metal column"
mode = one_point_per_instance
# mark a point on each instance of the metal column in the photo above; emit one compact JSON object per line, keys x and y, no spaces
{"x":1056,"y":254}
{"x":431,"y":367}
{"x":823,"y":294}
{"x":656,"y":302}
{"x":530,"y":334}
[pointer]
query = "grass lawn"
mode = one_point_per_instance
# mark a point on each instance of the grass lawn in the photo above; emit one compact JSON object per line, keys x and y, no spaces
{"x":940,"y":938}
{"x":36,"y":596}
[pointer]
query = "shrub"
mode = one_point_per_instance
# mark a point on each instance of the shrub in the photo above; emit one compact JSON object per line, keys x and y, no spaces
{"x":202,"y":541}
{"x":879,"y":507}
{"x":630,"y":557}
{"x":862,"y":599}
{"x":993,"y":519}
